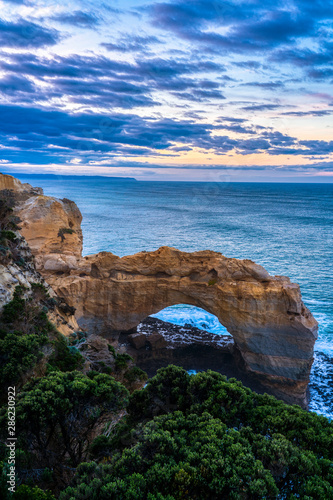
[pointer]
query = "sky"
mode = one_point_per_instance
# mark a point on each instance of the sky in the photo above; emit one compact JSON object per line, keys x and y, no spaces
{"x":207,"y":90}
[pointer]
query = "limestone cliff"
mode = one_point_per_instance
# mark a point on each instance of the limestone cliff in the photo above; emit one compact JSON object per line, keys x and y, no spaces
{"x":17,"y":264}
{"x":274,"y":332}
{"x":9,"y":182}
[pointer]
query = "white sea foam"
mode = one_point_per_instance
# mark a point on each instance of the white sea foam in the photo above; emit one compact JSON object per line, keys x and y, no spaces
{"x":183,"y":314}
{"x":321,"y":385}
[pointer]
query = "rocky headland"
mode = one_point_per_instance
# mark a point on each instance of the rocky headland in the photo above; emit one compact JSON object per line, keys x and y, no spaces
{"x":273,"y":332}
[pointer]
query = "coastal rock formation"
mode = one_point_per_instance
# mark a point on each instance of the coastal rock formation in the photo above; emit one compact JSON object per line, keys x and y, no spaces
{"x":52,"y":227}
{"x":273,"y":331}
{"x":9,"y":182}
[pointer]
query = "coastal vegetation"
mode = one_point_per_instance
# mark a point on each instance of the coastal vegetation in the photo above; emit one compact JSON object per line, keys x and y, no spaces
{"x":65,"y":230}
{"x":88,"y":428}
{"x":182,"y":436}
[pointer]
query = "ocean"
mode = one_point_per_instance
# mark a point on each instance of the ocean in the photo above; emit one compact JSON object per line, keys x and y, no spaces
{"x":287,"y":228}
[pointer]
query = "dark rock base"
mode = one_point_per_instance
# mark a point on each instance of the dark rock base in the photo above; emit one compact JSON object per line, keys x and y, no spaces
{"x":156,"y":344}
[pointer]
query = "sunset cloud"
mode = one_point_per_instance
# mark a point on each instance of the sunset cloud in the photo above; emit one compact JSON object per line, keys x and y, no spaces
{"x":212,"y":80}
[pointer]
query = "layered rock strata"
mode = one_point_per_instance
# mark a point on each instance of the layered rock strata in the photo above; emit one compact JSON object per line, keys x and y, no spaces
{"x":274,"y":333}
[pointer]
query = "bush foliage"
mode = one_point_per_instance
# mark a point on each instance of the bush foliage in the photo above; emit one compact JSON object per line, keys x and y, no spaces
{"x":65,"y":358}
{"x":204,"y":437}
{"x":58,"y":414}
{"x":24,"y":329}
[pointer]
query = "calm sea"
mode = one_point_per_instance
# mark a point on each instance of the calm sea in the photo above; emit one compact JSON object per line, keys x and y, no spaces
{"x":287,"y":228}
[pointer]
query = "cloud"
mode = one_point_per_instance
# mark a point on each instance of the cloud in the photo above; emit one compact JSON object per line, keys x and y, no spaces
{"x":251,"y":26}
{"x":12,"y":84}
{"x":25,"y":34}
{"x":316,"y":63}
{"x":79,"y":66}
{"x":40,"y":136}
{"x":116,"y":92}
{"x":261,"y":107}
{"x":199,"y":95}
{"x":321,"y":74}
{"x":159,"y":85}
{"x":77,"y":18}
{"x":313,"y":112}
{"x":58,"y":136}
{"x":254,"y":65}
{"x":128,"y":44}
{"x":266,"y":85}
{"x":99,"y":81}
{"x":275,"y":28}
{"x":180,"y":15}
{"x":73,"y":66}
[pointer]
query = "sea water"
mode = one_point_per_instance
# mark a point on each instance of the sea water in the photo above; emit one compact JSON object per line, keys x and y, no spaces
{"x":287,"y":228}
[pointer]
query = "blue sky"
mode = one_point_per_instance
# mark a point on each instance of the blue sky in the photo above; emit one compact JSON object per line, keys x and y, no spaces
{"x":180,"y":90}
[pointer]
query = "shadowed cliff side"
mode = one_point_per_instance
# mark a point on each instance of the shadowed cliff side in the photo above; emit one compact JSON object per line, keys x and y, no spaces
{"x":274,"y":332}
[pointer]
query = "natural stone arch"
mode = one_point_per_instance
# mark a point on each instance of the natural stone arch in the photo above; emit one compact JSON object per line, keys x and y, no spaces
{"x":273,"y":331}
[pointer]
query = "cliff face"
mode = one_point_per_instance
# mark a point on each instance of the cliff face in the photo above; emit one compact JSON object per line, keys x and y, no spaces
{"x":274,"y":332}
{"x":53,"y":229}
{"x":13,"y":275}
{"x":9,"y":182}
{"x":18,"y":268}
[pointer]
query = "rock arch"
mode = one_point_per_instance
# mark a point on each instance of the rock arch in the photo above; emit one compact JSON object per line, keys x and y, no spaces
{"x":273,"y":330}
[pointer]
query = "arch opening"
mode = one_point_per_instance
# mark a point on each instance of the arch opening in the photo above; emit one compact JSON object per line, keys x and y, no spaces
{"x":181,"y":334}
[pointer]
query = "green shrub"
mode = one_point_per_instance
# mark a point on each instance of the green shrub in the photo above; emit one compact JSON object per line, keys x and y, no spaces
{"x":8,"y":220}
{"x":227,"y":442}
{"x":4,"y":250}
{"x":99,"y":445}
{"x":104,"y":368}
{"x":25,"y":492}
{"x":15,"y":308}
{"x":135,"y":373}
{"x":8,"y":235}
{"x":64,"y":230}
{"x":212,"y":282}
{"x":40,"y":290}
{"x":179,"y":456}
{"x":122,"y":360}
{"x":25,"y":328}
{"x":58,"y":414}
{"x":18,"y":354}
{"x":20,"y":262}
{"x":65,"y":358}
{"x":112,"y":350}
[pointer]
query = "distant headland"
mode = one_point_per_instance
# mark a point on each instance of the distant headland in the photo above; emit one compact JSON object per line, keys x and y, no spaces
{"x":71,"y":177}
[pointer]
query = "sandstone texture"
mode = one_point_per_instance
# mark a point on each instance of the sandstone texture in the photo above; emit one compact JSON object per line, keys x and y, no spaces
{"x":9,"y":182}
{"x":274,"y":333}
